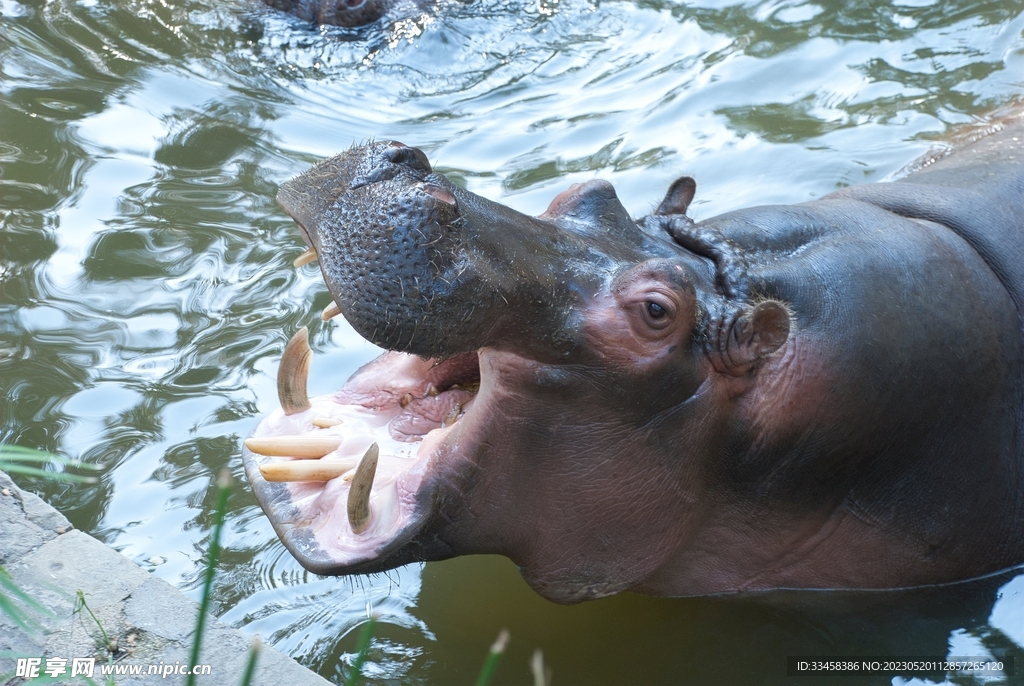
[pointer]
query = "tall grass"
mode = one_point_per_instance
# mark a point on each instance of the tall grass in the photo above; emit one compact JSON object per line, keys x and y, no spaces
{"x":15,"y":459}
{"x":212,"y":557}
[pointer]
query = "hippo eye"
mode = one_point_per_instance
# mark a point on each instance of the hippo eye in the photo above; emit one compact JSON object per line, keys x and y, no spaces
{"x":655,"y":310}
{"x":658,"y":313}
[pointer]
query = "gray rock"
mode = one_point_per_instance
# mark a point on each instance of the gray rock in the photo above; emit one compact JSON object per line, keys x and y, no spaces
{"x":147,"y":621}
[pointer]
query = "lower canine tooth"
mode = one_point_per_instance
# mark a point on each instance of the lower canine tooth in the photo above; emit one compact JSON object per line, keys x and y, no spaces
{"x":304,"y":470}
{"x":359,"y":494}
{"x":330,"y":312}
{"x":294,"y":446}
{"x":325,"y":422}
{"x":452,"y":417}
{"x":305,"y":258}
{"x":293,"y":372}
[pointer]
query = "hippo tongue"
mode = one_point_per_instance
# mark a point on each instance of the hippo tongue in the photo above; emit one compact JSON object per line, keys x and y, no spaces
{"x":418,"y":265}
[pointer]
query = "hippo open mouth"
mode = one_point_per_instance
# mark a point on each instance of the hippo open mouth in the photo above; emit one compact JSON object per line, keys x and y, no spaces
{"x":341,"y":474}
{"x":773,"y":398}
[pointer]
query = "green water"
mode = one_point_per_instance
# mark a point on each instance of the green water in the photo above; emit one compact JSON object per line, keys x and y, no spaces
{"x":146,"y":289}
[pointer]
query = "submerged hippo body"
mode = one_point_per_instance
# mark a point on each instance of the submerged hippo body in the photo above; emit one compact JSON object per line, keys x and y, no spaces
{"x":825,"y":395}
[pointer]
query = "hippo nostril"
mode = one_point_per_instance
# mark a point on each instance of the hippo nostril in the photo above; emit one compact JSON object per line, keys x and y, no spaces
{"x":397,"y":157}
{"x":438,"y":193}
{"x":352,"y":4}
{"x":404,"y":155}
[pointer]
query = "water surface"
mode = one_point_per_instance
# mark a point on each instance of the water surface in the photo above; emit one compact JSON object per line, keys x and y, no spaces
{"x":146,"y":289}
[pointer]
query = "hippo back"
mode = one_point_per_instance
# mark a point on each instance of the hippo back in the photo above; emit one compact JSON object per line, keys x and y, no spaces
{"x":977,"y":192}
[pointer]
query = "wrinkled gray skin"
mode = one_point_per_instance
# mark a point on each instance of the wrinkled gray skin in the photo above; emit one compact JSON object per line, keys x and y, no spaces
{"x":825,"y":395}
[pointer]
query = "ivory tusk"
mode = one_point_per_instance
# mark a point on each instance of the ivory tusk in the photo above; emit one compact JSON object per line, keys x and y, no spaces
{"x":359,"y":494}
{"x":325,"y":422}
{"x":293,"y":372}
{"x":307,"y":447}
{"x":305,"y":258}
{"x":305,"y":470}
{"x":330,"y":312}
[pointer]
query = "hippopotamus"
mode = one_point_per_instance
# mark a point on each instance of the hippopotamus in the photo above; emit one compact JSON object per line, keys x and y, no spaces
{"x":827,"y":395}
{"x":347,"y":13}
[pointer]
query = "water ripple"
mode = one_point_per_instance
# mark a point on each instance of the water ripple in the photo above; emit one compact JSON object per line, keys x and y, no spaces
{"x":146,"y":290}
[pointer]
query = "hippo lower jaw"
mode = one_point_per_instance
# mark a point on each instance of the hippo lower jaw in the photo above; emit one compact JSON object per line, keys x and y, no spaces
{"x":412,"y":410}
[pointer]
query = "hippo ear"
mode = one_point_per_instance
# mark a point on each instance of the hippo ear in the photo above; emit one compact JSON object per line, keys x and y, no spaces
{"x":754,"y":335}
{"x":678,"y":198}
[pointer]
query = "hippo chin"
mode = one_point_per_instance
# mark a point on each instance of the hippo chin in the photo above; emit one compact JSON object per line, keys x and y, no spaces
{"x":821,"y":396}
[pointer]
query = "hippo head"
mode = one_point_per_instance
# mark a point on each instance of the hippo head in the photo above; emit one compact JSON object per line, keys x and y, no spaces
{"x":547,"y":392}
{"x":348,"y":13}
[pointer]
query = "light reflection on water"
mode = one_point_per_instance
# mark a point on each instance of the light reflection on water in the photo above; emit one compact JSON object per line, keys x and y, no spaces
{"x":146,"y":289}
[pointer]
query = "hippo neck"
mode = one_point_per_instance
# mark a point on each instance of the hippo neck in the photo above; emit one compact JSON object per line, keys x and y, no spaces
{"x":868,"y":356}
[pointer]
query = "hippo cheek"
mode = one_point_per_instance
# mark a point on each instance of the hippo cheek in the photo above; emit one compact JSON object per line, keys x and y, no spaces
{"x":610,"y":532}
{"x":582,"y":497}
{"x":650,"y":361}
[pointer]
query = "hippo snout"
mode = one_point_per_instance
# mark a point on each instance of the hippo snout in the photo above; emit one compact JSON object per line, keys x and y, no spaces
{"x":399,"y":245}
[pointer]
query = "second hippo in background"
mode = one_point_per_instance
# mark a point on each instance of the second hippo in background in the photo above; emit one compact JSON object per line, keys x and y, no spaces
{"x":348,"y":13}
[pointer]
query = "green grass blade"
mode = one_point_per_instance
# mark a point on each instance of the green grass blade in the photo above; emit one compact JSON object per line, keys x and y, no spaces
{"x":16,"y":615}
{"x":19,"y":453}
{"x":80,"y":605}
{"x":491,"y":663}
{"x":250,"y":665}
{"x":12,"y":589}
{"x":541,"y":674}
{"x":64,"y":477}
{"x":365,"y":636}
{"x":9,"y":593}
{"x":223,"y":491}
{"x":13,"y":457}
